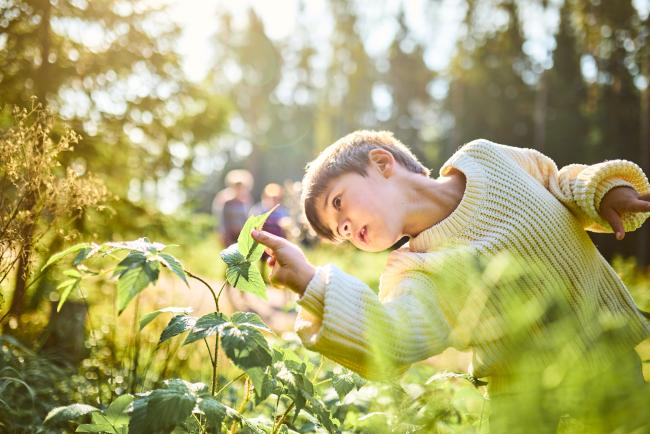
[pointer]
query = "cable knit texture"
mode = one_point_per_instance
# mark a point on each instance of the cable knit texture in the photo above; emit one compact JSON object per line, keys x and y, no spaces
{"x":515,"y":242}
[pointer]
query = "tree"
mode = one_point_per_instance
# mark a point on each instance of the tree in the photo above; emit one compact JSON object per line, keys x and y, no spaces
{"x":408,"y":78}
{"x":109,"y":69}
{"x":487,"y":95}
{"x":567,"y":123}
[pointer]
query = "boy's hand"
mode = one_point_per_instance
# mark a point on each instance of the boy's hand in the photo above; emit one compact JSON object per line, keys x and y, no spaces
{"x":290,"y":267}
{"x":622,"y":199}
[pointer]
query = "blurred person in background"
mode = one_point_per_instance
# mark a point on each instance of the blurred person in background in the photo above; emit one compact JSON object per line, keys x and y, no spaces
{"x":231,"y":205}
{"x":278,"y":220}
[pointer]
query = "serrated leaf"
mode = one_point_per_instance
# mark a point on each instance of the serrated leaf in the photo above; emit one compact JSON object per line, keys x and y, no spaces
{"x":324,"y":416}
{"x":176,"y":326}
{"x":249,"y":319}
{"x":241,"y":273}
{"x":142,"y":245}
{"x":132,"y":260}
{"x":161,"y":410}
{"x":263,"y":383}
{"x":86,"y":253}
{"x":131,"y":282}
{"x":215,"y":412}
{"x":174,"y":265}
{"x":65,"y":252}
{"x":251,"y":282}
{"x":114,"y":420}
{"x":97,"y":427}
{"x":66,"y":413}
{"x":206,"y":326}
{"x":66,"y":288}
{"x":146,"y":319}
{"x":248,"y":247}
{"x":343,"y":384}
{"x":245,"y":346}
{"x":119,"y":405}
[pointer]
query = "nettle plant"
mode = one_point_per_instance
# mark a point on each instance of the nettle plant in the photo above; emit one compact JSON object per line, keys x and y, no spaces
{"x":181,"y":406}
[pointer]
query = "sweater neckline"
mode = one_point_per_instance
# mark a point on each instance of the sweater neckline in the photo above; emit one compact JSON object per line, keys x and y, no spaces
{"x":456,"y":222}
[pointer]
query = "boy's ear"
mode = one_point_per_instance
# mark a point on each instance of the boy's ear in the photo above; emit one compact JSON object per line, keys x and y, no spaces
{"x":383,"y":161}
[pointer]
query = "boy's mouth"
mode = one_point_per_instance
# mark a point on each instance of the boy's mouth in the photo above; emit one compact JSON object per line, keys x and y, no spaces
{"x":363,"y":233}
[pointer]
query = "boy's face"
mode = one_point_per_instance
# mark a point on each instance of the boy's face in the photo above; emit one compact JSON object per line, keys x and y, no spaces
{"x":363,"y":210}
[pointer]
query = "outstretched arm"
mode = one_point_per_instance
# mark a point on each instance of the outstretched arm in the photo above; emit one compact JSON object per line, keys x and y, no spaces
{"x":343,"y":319}
{"x":612,"y":196}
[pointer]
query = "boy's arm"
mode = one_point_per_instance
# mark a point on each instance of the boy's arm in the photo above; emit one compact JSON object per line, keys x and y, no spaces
{"x":581,"y":188}
{"x":342,"y":318}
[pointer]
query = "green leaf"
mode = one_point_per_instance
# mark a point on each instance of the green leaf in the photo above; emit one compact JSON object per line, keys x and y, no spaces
{"x":250,"y":282}
{"x":241,"y":273}
{"x":66,"y":288}
{"x":67,"y":251}
{"x":245,"y":346}
{"x":174,"y":265}
{"x":117,"y":408}
{"x":146,"y":319}
{"x":135,"y":273}
{"x":215,"y":412}
{"x":114,"y":421}
{"x":132,"y":260}
{"x":142,"y":245}
{"x":248,"y":247}
{"x":176,"y":326}
{"x":263,"y":383}
{"x":249,"y":319}
{"x":206,"y":326}
{"x":324,"y":416}
{"x":66,"y":413}
{"x":161,"y":410}
{"x":97,"y":427}
{"x":86,"y":253}
{"x":343,"y":384}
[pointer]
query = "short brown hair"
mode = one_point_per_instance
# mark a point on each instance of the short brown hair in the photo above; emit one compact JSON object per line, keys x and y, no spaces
{"x":349,"y":154}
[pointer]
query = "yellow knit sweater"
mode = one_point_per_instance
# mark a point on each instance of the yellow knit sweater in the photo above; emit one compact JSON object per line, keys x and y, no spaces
{"x":494,"y":277}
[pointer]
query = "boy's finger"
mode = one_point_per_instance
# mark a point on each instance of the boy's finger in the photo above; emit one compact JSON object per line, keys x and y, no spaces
{"x":639,"y":206}
{"x":614,"y":220}
{"x":645,"y":196}
{"x":269,"y":240}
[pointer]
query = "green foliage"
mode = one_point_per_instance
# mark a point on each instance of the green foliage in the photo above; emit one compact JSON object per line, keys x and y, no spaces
{"x":31,"y":386}
{"x":137,"y":270}
{"x":146,"y":319}
{"x":241,"y":258}
{"x":176,"y":326}
{"x":69,"y":412}
{"x":113,"y":420}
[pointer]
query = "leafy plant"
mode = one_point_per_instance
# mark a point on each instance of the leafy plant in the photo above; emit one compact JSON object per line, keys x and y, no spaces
{"x":193,"y":407}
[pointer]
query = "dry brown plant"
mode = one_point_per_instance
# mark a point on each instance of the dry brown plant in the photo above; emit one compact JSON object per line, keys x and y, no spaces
{"x":38,"y":194}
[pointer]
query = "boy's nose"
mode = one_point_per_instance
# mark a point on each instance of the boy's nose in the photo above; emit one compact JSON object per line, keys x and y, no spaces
{"x":346,"y":230}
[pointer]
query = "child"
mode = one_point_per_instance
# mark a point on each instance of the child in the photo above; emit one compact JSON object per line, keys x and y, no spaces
{"x":490,"y":202}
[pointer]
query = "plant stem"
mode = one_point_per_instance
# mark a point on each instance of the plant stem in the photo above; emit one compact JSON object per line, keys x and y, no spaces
{"x":214,"y":297}
{"x":242,"y":406}
{"x":214,"y":363}
{"x":229,"y":383}
{"x":322,"y":382}
{"x":284,"y":416}
{"x":209,"y":351}
{"x":94,"y":337}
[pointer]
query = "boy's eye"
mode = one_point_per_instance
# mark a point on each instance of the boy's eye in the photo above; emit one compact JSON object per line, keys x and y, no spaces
{"x":336,"y":202}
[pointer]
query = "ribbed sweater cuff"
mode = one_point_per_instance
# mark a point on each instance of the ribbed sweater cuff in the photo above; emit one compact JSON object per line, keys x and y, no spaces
{"x":312,"y":298}
{"x":596,"y":180}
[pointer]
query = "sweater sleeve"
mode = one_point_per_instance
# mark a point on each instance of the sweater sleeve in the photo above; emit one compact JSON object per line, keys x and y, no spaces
{"x":343,"y":319}
{"x":581,"y":187}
